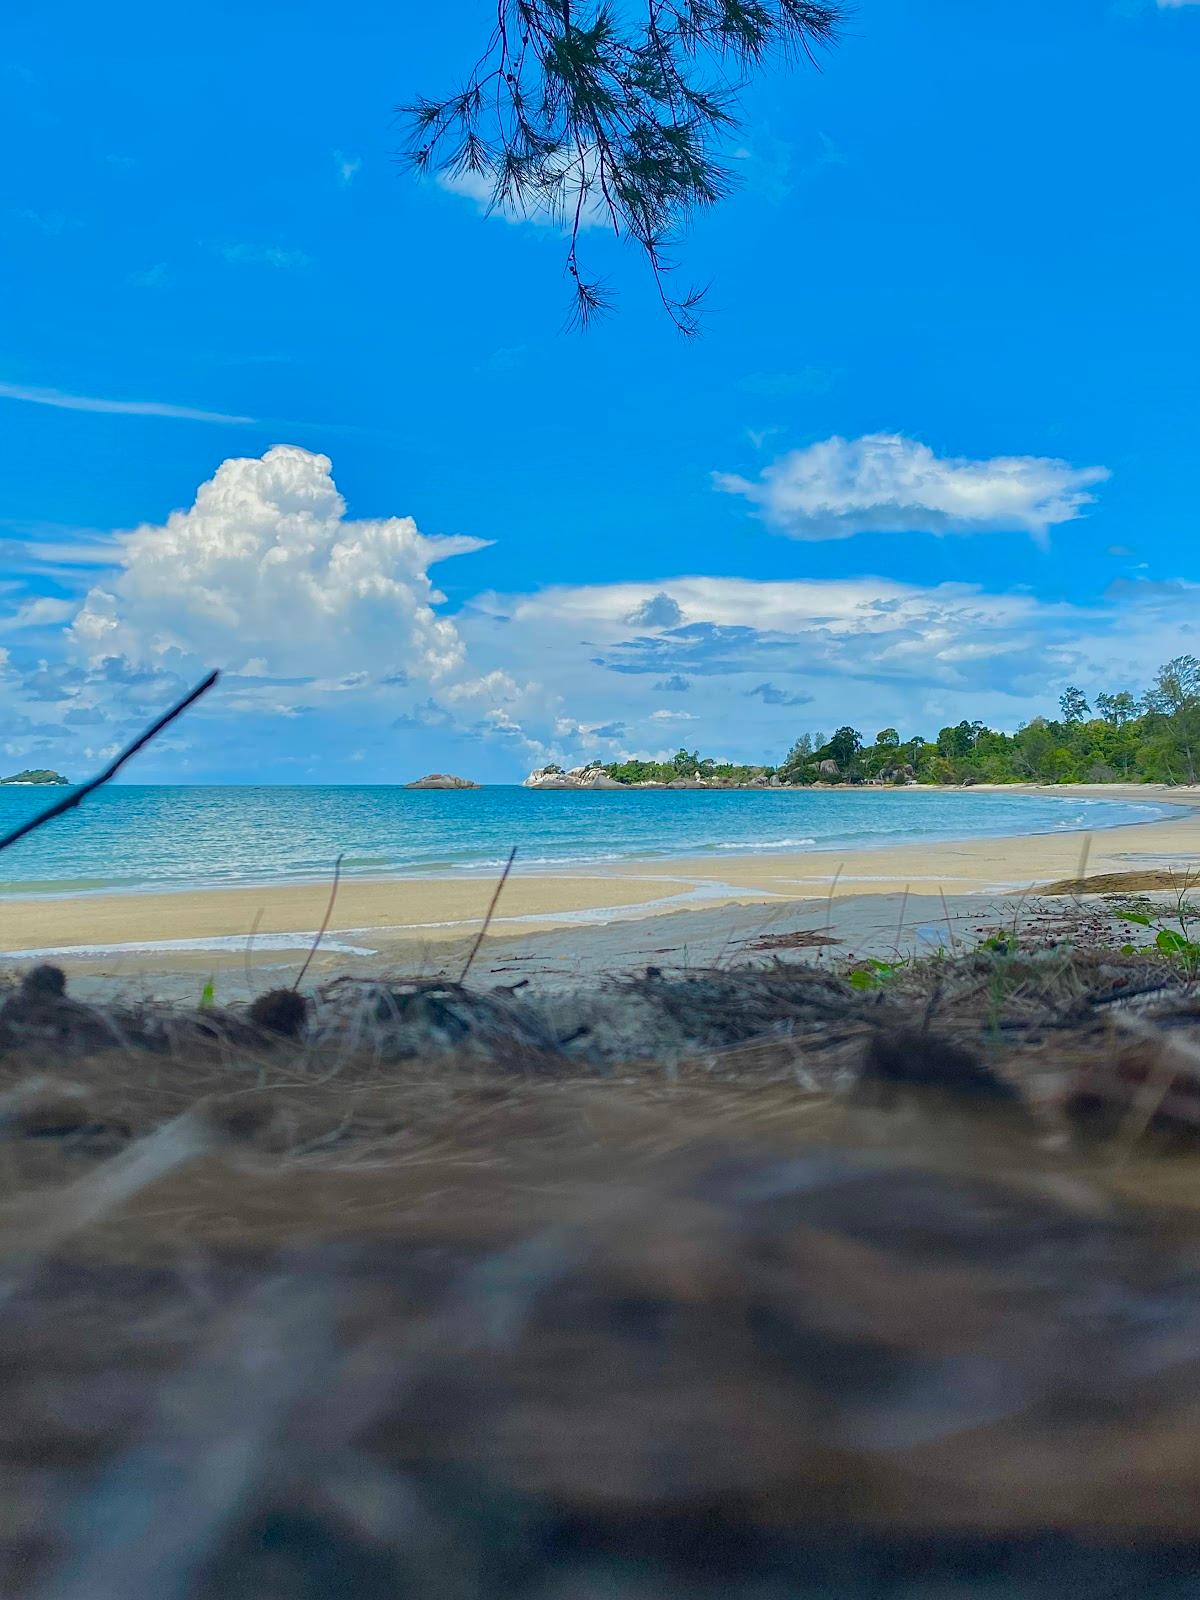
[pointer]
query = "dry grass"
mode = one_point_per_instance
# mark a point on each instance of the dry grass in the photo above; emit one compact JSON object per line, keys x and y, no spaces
{"x":687,"y":1286}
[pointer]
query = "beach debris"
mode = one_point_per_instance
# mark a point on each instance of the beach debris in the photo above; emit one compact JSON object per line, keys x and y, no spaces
{"x":669,"y":1016}
{"x":280,"y":1011}
{"x":40,"y":1010}
{"x":801,"y":939}
{"x":438,"y":1017}
{"x":46,"y":979}
{"x":909,"y":1058}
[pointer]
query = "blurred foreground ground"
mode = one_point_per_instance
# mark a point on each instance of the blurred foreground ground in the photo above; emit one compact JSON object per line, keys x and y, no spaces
{"x":699,"y":1283}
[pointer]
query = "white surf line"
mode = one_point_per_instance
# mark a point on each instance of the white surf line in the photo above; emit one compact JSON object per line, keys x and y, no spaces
{"x":699,"y":894}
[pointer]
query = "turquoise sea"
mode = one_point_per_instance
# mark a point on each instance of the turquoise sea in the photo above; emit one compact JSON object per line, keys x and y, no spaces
{"x":151,"y":837}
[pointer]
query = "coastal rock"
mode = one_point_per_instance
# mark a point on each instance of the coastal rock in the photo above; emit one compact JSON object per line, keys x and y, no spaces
{"x":591,"y":777}
{"x":828,"y":769}
{"x":442,"y":780}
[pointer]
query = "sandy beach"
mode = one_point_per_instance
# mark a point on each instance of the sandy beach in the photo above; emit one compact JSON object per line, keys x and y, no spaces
{"x":597,"y":918}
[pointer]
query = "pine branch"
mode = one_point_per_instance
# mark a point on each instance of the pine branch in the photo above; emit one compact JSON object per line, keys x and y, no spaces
{"x":617,"y":112}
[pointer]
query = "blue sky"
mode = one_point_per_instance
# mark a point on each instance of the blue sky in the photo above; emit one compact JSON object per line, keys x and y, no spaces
{"x":932,"y":457}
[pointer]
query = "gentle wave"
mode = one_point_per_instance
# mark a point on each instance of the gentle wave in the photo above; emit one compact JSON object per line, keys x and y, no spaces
{"x":767,"y":844}
{"x":133,"y":838}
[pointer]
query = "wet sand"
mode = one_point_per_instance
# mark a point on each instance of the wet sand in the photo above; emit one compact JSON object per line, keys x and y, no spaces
{"x":601,"y":915}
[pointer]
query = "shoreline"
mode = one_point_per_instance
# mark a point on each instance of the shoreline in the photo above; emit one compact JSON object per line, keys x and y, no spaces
{"x":398,"y":923}
{"x":82,"y":890}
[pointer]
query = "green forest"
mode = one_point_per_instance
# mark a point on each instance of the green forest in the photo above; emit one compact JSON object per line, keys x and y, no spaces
{"x":1120,"y":737}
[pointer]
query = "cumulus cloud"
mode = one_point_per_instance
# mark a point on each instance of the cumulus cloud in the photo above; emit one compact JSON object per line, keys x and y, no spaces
{"x":660,"y":611}
{"x":495,"y":687}
{"x":674,"y":684}
{"x":885,"y":483}
{"x":266,"y":569}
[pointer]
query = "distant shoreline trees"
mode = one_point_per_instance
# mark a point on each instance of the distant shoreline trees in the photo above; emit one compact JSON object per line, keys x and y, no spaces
{"x":1152,"y":738}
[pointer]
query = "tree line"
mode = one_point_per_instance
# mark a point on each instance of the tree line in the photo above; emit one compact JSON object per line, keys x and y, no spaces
{"x":1120,"y":737}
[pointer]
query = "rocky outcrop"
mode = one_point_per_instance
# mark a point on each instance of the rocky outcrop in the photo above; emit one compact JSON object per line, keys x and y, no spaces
{"x":592,"y":777}
{"x":595,"y":777}
{"x":442,"y":780}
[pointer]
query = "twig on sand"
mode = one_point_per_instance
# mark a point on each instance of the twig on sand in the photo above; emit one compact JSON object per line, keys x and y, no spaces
{"x":70,"y":801}
{"x":949,"y":922}
{"x":248,"y":952}
{"x":833,"y":883}
{"x":323,"y":929}
{"x":491,"y":911}
{"x":1079,"y":887}
{"x":900,"y":923}
{"x":1020,"y":907}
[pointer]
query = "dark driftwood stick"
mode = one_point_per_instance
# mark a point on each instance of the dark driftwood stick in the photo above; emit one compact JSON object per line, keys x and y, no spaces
{"x":491,"y":910}
{"x":72,"y":800}
{"x":337,"y":877}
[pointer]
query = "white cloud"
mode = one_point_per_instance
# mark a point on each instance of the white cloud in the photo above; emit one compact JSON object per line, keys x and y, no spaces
{"x":885,"y":483}
{"x":1173,"y":5}
{"x":346,"y":167}
{"x":660,"y":611}
{"x":42,"y":612}
{"x":495,"y":687}
{"x":125,"y":408}
{"x":266,"y":564}
{"x":855,"y":627}
{"x":558,"y":212}
{"x":334,"y":638}
{"x":767,"y":660}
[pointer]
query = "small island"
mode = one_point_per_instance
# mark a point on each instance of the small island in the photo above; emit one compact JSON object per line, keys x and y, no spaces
{"x":442,"y":780}
{"x":38,"y":775}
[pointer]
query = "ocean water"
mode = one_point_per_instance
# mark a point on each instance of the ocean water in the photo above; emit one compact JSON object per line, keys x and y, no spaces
{"x":157,"y":837}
